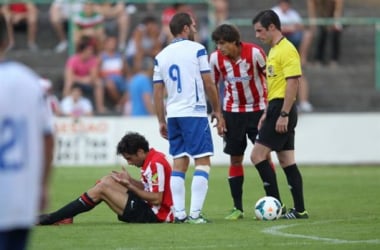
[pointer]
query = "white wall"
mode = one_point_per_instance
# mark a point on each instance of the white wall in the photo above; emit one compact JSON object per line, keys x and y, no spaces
{"x":349,"y":138}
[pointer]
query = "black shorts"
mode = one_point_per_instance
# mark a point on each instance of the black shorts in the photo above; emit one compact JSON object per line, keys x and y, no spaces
{"x":239,"y":126}
{"x":268,"y":135}
{"x":137,"y":211}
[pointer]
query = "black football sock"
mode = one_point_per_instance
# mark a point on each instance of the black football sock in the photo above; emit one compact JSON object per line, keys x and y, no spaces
{"x":83,"y":204}
{"x":268,"y":176}
{"x":294,"y":178}
{"x":236,"y":187}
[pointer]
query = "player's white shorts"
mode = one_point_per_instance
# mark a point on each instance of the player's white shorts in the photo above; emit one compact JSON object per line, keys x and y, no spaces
{"x":189,"y":136}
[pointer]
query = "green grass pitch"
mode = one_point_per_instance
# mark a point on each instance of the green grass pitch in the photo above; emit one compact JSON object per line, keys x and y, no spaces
{"x":343,"y":204}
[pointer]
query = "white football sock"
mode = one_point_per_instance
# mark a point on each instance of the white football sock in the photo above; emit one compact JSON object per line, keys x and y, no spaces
{"x":199,"y":187}
{"x":177,"y":185}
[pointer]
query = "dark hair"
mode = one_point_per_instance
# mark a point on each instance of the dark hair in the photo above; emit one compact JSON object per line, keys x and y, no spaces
{"x":4,"y":39}
{"x":226,"y":32}
{"x":266,"y":18}
{"x":178,"y":22}
{"x":149,"y":19}
{"x":85,"y":42}
{"x":131,"y":143}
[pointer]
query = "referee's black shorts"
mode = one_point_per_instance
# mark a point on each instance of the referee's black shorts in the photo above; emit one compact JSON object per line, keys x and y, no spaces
{"x":268,"y":136}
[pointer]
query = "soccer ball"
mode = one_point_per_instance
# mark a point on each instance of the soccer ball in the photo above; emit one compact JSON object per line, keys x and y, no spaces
{"x":268,"y":208}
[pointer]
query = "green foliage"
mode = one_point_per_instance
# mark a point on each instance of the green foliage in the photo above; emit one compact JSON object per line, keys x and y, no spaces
{"x":343,"y":204}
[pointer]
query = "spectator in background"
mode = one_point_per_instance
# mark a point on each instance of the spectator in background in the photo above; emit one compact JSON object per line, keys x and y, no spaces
{"x":140,"y":90}
{"x":82,"y":68}
{"x":167,"y":15}
{"x":292,"y":28}
{"x":327,"y":9}
{"x":89,"y":22}
{"x":59,"y":13}
{"x":51,"y":99}
{"x":145,"y":42}
{"x":75,"y":104}
{"x":116,"y":12}
{"x":16,"y":15}
{"x":220,"y":11}
{"x":113,"y":70}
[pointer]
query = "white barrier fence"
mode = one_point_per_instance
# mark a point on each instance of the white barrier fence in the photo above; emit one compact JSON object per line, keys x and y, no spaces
{"x":350,"y":138}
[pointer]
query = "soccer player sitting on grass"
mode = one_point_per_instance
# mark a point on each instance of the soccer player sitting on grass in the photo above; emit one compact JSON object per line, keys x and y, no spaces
{"x":135,"y":201}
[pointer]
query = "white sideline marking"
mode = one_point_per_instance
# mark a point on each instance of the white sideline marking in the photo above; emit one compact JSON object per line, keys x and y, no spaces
{"x":276,"y":230}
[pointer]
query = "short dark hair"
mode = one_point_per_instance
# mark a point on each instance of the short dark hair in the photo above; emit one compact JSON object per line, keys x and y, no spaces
{"x":131,"y":143}
{"x":4,"y":39}
{"x":226,"y":32}
{"x":266,"y":18}
{"x":178,"y":22}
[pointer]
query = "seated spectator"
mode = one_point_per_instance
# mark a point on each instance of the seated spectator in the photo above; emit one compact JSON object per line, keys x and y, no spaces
{"x":18,"y":14}
{"x":75,"y":104}
{"x":145,"y":42}
{"x":88,"y":22}
{"x":82,"y":69}
{"x":167,"y":15}
{"x":140,"y":91}
{"x":113,"y":70}
{"x":116,"y":12}
{"x":59,"y":13}
{"x":292,"y":28}
{"x":51,"y":99}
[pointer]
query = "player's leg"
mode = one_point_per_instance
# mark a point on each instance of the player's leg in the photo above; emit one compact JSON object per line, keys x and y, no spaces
{"x":83,"y":203}
{"x":177,"y":185}
{"x":235,"y":143}
{"x":15,"y":239}
{"x":294,"y":179}
{"x":180,"y":166}
{"x":198,"y":143}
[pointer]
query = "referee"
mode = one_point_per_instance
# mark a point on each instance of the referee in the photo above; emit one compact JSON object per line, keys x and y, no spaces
{"x":277,"y":125}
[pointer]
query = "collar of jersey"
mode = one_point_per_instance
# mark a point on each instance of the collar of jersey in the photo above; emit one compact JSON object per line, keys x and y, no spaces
{"x":178,"y":39}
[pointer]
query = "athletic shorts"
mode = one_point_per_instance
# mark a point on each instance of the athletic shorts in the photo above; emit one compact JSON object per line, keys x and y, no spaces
{"x":14,"y":238}
{"x":189,"y":136}
{"x":269,"y":137}
{"x":239,"y":127}
{"x":137,"y":211}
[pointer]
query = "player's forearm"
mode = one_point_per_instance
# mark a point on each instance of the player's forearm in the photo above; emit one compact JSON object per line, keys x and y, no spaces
{"x":48,"y":158}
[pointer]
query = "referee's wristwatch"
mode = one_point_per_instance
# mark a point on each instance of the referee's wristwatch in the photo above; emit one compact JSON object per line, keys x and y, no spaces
{"x":284,"y":114}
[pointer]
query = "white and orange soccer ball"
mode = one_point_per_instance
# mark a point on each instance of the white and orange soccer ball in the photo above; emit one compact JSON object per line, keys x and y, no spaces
{"x":268,"y":208}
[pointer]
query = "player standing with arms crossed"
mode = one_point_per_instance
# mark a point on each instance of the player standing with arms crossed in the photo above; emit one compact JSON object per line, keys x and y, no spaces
{"x":183,"y":69}
{"x":241,"y":66}
{"x":277,"y":125}
{"x":26,"y":149}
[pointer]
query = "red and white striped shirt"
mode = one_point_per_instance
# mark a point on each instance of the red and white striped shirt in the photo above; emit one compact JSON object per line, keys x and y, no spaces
{"x":244,"y":80}
{"x":155,"y":175}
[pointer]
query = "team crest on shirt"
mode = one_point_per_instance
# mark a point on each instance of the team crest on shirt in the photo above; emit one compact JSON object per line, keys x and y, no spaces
{"x":270,"y":71}
{"x":155,"y":178}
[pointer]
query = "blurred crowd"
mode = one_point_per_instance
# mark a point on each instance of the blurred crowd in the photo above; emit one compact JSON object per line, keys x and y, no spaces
{"x":111,"y":72}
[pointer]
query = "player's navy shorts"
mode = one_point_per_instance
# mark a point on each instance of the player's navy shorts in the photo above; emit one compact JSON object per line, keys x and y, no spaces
{"x":137,"y":211}
{"x":239,"y":127}
{"x":189,"y":136}
{"x":268,"y":136}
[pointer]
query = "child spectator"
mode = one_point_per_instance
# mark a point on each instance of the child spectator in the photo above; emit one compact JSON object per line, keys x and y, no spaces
{"x":75,"y":104}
